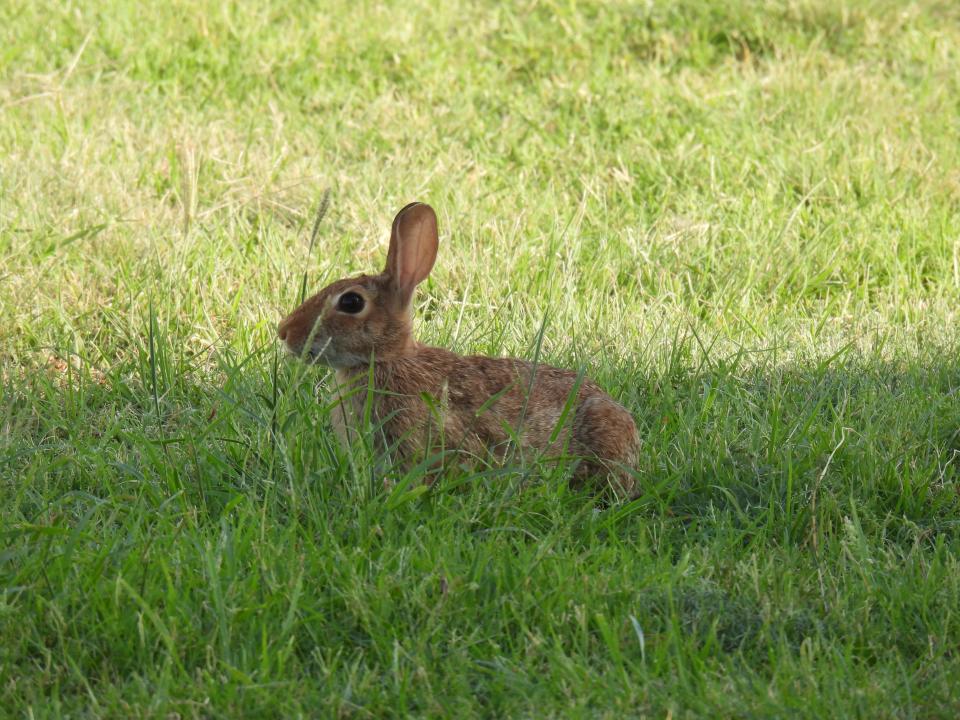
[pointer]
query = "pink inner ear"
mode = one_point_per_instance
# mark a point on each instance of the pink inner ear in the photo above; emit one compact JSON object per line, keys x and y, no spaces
{"x":413,"y":247}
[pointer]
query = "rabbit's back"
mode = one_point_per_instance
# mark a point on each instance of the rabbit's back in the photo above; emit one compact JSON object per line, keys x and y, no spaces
{"x":435,"y":399}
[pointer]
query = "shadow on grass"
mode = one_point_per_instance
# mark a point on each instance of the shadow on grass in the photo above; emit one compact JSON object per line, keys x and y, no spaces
{"x":777,"y":448}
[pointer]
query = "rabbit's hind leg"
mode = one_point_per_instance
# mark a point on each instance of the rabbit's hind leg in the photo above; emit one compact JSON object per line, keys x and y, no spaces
{"x":605,"y":436}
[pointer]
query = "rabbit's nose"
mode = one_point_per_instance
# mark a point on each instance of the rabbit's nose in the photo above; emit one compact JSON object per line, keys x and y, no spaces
{"x":282,"y":329}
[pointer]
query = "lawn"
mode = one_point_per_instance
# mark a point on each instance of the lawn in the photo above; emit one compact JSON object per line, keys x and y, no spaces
{"x":742,"y":219}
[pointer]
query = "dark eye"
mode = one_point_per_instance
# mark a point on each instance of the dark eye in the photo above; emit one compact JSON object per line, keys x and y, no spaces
{"x":350,"y":302}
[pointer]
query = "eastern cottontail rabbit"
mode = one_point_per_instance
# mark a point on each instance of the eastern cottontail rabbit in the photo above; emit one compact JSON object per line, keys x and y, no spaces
{"x":427,"y":398}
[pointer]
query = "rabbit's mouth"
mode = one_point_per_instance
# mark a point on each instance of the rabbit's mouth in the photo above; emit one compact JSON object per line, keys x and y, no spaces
{"x":314,"y":354}
{"x":310,"y":354}
{"x":327,"y":353}
{"x":323,"y":351}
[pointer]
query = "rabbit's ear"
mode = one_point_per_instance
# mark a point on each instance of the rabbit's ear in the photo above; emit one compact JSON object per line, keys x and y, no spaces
{"x":413,"y":249}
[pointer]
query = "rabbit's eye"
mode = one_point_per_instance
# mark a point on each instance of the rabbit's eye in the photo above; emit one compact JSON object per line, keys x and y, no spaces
{"x":350,"y":302}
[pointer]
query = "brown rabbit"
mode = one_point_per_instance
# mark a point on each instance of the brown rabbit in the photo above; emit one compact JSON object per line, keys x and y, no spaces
{"x":427,"y":399}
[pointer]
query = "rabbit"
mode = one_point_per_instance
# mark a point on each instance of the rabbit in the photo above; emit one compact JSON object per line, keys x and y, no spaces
{"x":427,"y":399}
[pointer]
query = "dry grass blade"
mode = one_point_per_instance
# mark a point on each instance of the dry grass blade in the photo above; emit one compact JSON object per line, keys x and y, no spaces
{"x":321,"y":211}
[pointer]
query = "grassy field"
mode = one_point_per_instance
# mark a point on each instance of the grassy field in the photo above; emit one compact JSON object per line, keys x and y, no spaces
{"x":741,"y":218}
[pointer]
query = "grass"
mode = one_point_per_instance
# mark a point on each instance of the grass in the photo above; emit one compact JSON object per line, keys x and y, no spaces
{"x":740,"y":218}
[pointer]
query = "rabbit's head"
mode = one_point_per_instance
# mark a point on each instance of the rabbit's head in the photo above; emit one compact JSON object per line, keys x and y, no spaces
{"x":370,"y":316}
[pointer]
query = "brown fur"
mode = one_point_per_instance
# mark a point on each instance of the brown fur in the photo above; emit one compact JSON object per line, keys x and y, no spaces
{"x":429,"y":399}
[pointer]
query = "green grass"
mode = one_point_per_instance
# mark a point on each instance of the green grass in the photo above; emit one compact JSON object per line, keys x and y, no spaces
{"x":742,"y":218}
